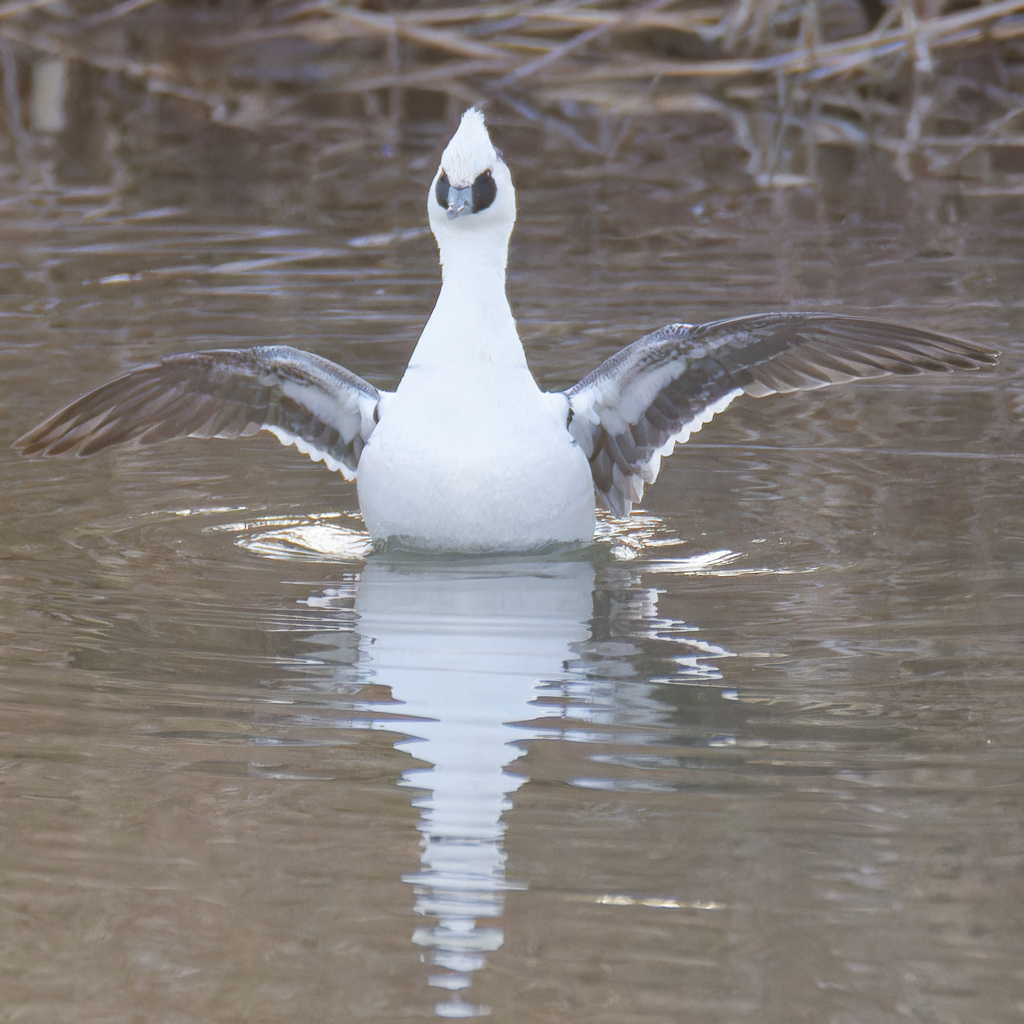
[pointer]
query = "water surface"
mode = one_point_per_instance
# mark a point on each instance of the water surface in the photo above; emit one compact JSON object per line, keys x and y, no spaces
{"x":756,"y":755}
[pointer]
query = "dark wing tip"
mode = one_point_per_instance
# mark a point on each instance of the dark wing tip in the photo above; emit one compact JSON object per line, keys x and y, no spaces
{"x":303,"y":399}
{"x":784,"y":352}
{"x":60,"y":434}
{"x":116,"y":412}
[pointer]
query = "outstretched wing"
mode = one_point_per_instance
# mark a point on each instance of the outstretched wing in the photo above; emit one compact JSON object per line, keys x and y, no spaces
{"x":634,"y":408}
{"x":302,"y":399}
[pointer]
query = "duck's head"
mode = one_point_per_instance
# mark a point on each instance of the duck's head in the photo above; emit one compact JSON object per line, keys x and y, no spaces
{"x":471,"y":200}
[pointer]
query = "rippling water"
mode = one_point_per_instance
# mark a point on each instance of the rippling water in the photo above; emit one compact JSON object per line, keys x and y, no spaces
{"x":756,"y":755}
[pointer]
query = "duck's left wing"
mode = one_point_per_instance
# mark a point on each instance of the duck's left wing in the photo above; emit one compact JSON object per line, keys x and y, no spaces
{"x":634,"y":408}
{"x":301,"y":398}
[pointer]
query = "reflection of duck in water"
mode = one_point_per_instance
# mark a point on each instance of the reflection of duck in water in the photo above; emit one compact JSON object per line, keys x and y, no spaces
{"x":467,"y":648}
{"x":472,"y":661}
{"x":468,"y":454}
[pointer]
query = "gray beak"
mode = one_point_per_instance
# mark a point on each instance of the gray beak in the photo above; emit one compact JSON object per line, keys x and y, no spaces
{"x":460,"y":201}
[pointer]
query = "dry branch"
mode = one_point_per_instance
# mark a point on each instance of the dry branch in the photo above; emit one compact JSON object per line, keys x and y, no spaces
{"x":565,"y":62}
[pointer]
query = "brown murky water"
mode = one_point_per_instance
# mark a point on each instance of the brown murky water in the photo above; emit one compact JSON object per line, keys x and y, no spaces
{"x":757,"y":756}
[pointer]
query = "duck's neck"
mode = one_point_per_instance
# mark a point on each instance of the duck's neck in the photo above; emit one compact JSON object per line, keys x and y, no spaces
{"x":472,"y":323}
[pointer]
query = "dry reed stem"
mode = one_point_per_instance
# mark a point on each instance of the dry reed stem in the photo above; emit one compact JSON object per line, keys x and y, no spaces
{"x":766,"y":57}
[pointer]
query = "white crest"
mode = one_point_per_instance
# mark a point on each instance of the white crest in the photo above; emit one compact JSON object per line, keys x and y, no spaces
{"x":470,"y":151}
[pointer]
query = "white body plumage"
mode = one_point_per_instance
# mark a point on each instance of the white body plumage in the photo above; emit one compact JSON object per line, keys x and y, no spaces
{"x":469,"y":454}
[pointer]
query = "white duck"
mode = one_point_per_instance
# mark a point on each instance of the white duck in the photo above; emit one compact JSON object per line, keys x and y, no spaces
{"x":468,"y":454}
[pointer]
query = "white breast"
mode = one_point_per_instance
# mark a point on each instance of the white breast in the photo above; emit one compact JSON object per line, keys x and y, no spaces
{"x":488,"y":467}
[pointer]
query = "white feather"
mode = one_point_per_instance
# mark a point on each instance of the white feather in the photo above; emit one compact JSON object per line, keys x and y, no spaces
{"x":316,"y":454}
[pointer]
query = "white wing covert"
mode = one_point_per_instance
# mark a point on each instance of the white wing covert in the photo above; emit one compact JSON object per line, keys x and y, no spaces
{"x":302,"y":399}
{"x":634,"y":408}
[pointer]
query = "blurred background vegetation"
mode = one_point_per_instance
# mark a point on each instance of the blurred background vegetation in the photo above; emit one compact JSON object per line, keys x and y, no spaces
{"x":760,"y":93}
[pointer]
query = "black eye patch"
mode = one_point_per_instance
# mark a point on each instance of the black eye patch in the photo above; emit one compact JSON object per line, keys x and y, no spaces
{"x":441,"y":192}
{"x":484,"y":191}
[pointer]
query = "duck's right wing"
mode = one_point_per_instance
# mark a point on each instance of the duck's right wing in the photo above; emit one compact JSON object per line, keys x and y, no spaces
{"x":634,"y":408}
{"x":300,"y":398}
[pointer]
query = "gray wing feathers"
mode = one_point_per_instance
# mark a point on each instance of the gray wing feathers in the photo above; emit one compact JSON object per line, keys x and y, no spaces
{"x":634,"y":408}
{"x":304,"y":400}
{"x":782,"y":352}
